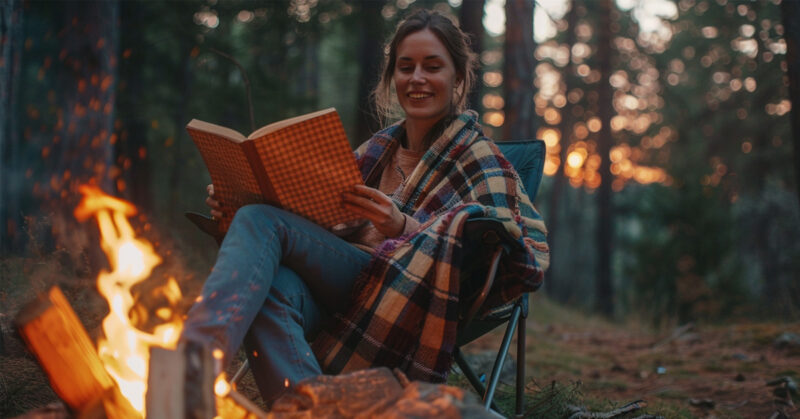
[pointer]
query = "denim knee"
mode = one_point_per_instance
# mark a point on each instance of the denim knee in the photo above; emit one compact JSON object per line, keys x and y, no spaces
{"x":250,"y":212}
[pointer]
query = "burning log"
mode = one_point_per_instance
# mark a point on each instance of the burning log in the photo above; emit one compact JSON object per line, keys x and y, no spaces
{"x":57,"y":338}
{"x":55,"y":335}
{"x":237,"y":406}
{"x":110,"y":405}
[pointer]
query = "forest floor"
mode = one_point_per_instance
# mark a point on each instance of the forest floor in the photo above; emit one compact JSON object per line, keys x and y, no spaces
{"x":697,"y":370}
{"x":692,"y":371}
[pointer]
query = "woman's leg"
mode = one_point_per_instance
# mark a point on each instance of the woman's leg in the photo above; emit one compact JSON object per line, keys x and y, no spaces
{"x":277,"y":343}
{"x":259,"y":240}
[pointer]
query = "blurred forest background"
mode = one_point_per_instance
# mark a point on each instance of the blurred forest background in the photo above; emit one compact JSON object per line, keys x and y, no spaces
{"x":671,"y":187}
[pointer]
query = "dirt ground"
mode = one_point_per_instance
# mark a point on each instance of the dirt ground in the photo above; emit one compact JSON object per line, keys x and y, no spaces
{"x":697,"y":370}
{"x":702,"y":371}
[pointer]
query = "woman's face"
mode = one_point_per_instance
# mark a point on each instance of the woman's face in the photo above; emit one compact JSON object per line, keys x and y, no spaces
{"x":424,"y":77}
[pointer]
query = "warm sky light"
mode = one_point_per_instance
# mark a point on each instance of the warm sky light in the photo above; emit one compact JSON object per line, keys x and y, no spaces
{"x":648,"y":13}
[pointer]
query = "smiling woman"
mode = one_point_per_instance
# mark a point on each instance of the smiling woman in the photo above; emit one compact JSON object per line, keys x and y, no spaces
{"x":425,"y":81}
{"x":387,"y":294}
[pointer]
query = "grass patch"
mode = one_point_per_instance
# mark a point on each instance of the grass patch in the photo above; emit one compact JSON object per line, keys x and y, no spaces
{"x":668,"y":410}
{"x":544,"y":311}
{"x":715,"y":366}
{"x":671,"y":394}
{"x":547,"y":355}
{"x":617,"y":385}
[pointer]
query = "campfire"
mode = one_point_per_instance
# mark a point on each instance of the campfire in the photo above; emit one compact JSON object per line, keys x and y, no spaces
{"x":130,"y":372}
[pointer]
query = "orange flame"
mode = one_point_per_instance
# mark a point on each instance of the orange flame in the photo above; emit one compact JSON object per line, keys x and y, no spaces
{"x":125,"y":350}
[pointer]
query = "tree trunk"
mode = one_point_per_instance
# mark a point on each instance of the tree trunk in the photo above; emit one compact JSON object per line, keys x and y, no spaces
{"x":87,"y":81}
{"x":183,"y":79}
{"x":10,"y":173}
{"x":518,"y":70}
{"x":471,"y":20}
{"x":553,"y":223}
{"x":132,"y":154}
{"x":604,"y":292}
{"x":369,"y":58}
{"x":791,"y":23}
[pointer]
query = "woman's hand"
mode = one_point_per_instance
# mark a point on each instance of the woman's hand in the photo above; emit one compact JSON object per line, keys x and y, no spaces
{"x":216,"y":208}
{"x":375,"y":206}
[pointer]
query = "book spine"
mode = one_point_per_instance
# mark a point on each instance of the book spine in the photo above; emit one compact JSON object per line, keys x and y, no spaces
{"x":260,"y":173}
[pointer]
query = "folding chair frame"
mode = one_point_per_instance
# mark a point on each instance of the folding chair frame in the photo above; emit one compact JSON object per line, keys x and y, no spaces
{"x":518,"y":313}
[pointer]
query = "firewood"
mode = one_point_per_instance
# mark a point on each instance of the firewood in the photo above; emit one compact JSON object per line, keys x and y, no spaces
{"x":236,"y":406}
{"x":181,"y":382}
{"x":164,"y":399}
{"x":111,"y":405}
{"x":55,"y":335}
{"x":200,"y":375}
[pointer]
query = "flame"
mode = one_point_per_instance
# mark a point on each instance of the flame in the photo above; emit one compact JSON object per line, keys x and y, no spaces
{"x":125,"y":350}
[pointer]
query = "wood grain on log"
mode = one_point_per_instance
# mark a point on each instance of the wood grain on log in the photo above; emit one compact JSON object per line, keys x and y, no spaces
{"x":165,"y":383}
{"x":181,"y":382}
{"x":236,"y":406}
{"x":111,"y":405}
{"x":55,"y":335}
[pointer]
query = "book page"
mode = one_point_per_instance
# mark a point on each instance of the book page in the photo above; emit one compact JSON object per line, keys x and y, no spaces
{"x":287,"y":122}
{"x":310,"y":164}
{"x":233,"y":179}
{"x":217,"y":130}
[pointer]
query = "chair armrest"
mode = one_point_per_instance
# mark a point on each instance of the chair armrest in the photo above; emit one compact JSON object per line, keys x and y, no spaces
{"x":206,"y":224}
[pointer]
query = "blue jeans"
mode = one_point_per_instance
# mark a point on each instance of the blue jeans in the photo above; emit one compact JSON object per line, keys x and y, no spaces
{"x":276,"y":278}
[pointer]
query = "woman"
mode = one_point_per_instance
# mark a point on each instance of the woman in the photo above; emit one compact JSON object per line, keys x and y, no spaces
{"x":278,"y":277}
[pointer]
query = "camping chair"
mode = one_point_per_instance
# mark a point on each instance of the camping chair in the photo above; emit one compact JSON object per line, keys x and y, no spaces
{"x":483,"y":237}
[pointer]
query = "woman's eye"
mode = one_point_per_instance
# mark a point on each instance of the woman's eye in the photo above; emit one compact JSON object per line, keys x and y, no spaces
{"x":434,"y":67}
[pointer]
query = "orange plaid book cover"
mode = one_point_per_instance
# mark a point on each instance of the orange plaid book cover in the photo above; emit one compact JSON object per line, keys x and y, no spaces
{"x":302,"y":165}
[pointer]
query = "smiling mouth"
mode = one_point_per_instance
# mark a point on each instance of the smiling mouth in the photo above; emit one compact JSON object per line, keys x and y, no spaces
{"x":419,"y":95}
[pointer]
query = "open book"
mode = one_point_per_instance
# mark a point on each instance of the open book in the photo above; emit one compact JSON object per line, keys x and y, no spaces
{"x":301,"y":164}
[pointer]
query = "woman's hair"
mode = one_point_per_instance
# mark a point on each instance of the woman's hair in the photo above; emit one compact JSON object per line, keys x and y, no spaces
{"x":454,"y":40}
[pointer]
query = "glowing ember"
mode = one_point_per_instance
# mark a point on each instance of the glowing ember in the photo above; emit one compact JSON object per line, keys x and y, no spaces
{"x":125,"y":350}
{"x":221,"y":386}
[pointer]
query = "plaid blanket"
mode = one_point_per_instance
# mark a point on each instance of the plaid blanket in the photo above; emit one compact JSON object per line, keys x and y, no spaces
{"x":404,"y":312}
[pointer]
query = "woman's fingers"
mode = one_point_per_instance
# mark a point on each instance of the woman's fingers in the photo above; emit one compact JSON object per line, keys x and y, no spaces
{"x":362,"y":205}
{"x":375,"y":206}
{"x":372,"y":193}
{"x":213,"y":203}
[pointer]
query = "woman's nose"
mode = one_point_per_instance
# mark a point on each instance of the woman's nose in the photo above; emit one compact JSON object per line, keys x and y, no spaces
{"x":417,"y":76}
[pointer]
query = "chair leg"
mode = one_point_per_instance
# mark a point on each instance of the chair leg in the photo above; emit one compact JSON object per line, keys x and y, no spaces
{"x":240,"y":372}
{"x":520,"y":366}
{"x":501,"y":356}
{"x":471,"y":376}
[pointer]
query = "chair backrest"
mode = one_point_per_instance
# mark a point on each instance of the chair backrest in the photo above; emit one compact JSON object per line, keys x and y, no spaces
{"x":527,"y":157}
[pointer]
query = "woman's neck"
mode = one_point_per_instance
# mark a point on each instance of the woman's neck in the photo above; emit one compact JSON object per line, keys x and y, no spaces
{"x":416,"y":131}
{"x":420,"y":134}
